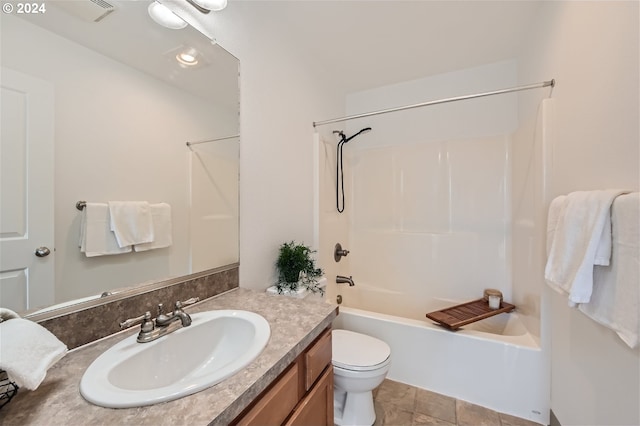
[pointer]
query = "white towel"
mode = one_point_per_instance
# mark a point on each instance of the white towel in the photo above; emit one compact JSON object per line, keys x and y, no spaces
{"x":7,"y":314}
{"x":161,"y":218}
{"x":131,"y":222}
{"x":579,"y":240}
{"x":556,"y":209}
{"x":27,"y":351}
{"x":96,"y":237}
{"x":616,"y":289}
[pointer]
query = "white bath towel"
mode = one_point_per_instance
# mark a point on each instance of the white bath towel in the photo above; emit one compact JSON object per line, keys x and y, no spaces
{"x":556,"y":209}
{"x":131,"y":222}
{"x":96,"y":237}
{"x":162,"y":228}
{"x":616,"y":289}
{"x":27,"y":351}
{"x":575,"y":240}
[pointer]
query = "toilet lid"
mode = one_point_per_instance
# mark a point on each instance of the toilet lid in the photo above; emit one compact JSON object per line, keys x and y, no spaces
{"x":355,"y":351}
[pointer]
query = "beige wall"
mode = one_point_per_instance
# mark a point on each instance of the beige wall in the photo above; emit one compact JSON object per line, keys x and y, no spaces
{"x":279,"y":99}
{"x":591,"y":49}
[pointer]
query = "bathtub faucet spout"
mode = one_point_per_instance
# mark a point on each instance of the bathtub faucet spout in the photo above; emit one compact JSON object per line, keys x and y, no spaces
{"x":342,"y":280}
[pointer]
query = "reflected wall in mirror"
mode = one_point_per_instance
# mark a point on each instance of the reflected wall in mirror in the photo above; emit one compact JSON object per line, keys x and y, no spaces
{"x":123,"y":110}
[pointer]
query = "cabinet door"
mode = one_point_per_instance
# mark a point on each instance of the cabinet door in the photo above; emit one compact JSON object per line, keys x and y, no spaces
{"x":317,"y":358}
{"x":277,"y":403}
{"x":316,"y":409}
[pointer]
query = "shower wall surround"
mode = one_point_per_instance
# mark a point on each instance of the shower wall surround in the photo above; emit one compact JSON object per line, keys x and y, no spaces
{"x":427,"y":190}
{"x":431,"y":219}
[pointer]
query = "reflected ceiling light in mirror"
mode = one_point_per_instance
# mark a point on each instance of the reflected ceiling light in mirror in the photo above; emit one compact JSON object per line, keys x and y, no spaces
{"x":214,"y":5}
{"x":163,"y":16}
{"x":188,"y":58}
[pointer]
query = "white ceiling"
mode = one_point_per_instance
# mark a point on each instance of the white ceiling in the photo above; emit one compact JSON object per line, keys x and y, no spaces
{"x":352,"y":45}
{"x":364,"y":44}
{"x":130,"y":36}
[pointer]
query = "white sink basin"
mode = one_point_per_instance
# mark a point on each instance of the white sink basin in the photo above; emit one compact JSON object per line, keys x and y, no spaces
{"x":214,"y":347}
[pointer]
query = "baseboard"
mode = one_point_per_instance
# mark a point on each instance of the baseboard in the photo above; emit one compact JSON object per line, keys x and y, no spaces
{"x":554,"y":420}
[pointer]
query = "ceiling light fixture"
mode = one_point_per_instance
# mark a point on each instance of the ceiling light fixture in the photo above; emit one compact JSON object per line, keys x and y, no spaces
{"x":214,"y":5}
{"x":188,"y":58}
{"x":165,"y":17}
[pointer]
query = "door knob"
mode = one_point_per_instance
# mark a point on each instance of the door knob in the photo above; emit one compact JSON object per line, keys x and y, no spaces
{"x":43,"y":252}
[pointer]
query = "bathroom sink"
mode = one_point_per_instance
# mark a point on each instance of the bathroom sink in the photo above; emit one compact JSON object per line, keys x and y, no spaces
{"x":214,"y":347}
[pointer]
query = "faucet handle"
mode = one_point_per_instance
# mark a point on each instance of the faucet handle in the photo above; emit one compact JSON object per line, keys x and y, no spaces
{"x":133,"y":321}
{"x":180,"y":305}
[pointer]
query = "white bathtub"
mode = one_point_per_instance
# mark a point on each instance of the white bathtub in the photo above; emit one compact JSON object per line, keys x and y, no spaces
{"x":494,"y":363}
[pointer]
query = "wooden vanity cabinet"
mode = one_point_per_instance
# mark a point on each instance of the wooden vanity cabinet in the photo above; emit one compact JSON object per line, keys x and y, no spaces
{"x":301,"y":395}
{"x":317,"y":407}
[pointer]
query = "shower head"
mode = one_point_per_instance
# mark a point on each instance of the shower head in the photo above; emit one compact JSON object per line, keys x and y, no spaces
{"x":345,"y":139}
{"x":339,"y":175}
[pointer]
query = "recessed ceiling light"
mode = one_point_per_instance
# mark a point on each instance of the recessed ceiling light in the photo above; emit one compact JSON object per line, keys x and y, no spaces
{"x":165,"y":17}
{"x":188,"y":58}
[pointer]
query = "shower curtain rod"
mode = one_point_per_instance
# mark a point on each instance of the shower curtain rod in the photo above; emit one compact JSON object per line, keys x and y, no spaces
{"x":213,"y":140}
{"x":551,"y":83}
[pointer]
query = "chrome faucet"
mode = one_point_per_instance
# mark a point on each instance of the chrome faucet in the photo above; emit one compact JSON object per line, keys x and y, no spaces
{"x":163,"y":324}
{"x":343,"y":280}
{"x":163,"y":320}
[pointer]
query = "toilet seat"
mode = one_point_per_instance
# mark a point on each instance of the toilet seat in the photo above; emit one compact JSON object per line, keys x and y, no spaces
{"x":358,"y":352}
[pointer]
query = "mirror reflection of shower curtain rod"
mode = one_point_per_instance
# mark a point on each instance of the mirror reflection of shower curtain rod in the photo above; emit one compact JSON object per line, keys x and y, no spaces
{"x":551,"y":83}
{"x":213,"y":140}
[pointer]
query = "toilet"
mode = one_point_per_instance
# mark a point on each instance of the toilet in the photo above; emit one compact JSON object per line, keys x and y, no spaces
{"x":360,"y":364}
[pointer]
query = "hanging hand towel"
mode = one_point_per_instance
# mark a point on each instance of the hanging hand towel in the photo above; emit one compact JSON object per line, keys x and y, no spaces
{"x":574,"y":248}
{"x":161,"y":217}
{"x":27,"y":351}
{"x":616,"y":289}
{"x":96,"y":237}
{"x":131,"y":222}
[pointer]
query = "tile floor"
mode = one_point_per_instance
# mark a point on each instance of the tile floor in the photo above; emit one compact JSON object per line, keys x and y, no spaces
{"x":397,"y":404}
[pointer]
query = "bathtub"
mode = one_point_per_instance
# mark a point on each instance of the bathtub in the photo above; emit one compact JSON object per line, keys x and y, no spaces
{"x":494,"y":363}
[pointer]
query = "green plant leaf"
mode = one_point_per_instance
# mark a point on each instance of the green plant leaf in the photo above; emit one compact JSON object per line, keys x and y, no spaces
{"x":296,"y":266}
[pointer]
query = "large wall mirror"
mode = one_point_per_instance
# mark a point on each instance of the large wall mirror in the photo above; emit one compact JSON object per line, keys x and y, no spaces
{"x":120,"y":105}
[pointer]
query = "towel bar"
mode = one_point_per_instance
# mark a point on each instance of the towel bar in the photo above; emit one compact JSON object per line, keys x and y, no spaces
{"x":80,"y":205}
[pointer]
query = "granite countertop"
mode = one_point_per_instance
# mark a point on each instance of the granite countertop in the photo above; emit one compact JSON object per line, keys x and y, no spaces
{"x":294,"y":325}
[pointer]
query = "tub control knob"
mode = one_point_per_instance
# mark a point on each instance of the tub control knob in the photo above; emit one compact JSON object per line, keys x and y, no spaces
{"x":339,"y":252}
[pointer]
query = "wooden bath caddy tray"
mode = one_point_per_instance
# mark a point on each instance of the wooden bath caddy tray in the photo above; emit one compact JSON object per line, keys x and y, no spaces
{"x":466,"y":313}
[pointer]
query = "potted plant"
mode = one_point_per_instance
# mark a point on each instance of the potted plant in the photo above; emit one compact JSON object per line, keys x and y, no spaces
{"x":296,"y":267}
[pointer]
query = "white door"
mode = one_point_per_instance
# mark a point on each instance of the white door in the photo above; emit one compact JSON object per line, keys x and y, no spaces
{"x":26,"y":191}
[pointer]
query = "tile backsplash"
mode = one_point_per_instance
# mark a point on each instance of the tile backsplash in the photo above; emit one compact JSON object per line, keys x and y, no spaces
{"x":87,"y":325}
